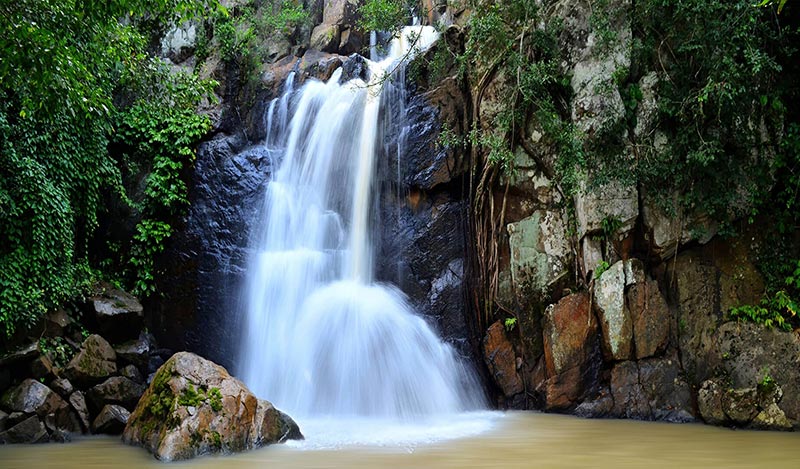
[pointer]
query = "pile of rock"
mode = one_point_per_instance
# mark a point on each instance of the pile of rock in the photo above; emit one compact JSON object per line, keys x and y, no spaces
{"x":47,"y":398}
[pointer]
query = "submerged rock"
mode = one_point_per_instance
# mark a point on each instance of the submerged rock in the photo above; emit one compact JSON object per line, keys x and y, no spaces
{"x":194,"y":407}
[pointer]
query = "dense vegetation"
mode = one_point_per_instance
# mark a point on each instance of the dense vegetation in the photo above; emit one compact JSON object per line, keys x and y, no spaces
{"x":76,"y":81}
{"x":85,"y":110}
{"x":728,"y":75}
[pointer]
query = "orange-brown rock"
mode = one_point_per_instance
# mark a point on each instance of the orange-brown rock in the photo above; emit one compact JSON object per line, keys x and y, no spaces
{"x":501,"y":360}
{"x":651,"y":318}
{"x":570,"y":336}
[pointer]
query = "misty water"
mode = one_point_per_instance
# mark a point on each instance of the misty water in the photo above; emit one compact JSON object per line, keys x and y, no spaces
{"x":514,"y":439}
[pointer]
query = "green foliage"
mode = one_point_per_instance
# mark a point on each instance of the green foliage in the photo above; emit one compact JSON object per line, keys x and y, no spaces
{"x":383,"y":15}
{"x":160,"y":128}
{"x":196,"y":397}
{"x":780,"y":3}
{"x":216,"y":439}
{"x":510,"y":324}
{"x":505,"y":40}
{"x":162,"y":400}
{"x":215,"y":399}
{"x":766,"y":385}
{"x":191,"y":397}
{"x":600,"y":269}
{"x":723,"y":112}
{"x":57,"y":349}
{"x":62,"y":65}
{"x":239,"y":34}
{"x":776,"y":309}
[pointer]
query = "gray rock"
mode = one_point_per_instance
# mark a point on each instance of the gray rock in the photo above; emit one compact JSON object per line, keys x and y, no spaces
{"x":651,"y":390}
{"x":665,"y":231}
{"x":78,"y":403}
{"x":340,"y":12}
{"x":3,"y":420}
{"x":32,"y":397}
{"x":30,"y":430}
{"x":611,"y":201}
{"x":697,"y":292}
{"x":43,"y":368}
{"x":94,"y":361}
{"x":22,"y":354}
{"x":325,"y":38}
{"x":136,"y":352}
{"x":749,"y":352}
{"x":179,"y":42}
{"x":116,"y":390}
{"x":111,"y":420}
{"x":771,"y":418}
{"x":351,"y":42}
{"x":615,"y":319}
{"x":62,"y":386}
{"x":709,"y":403}
{"x":119,"y":314}
{"x":55,"y":322}
{"x":540,"y":251}
{"x":132,"y":373}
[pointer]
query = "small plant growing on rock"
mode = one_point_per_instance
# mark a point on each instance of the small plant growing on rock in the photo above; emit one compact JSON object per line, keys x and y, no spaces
{"x":59,"y":351}
{"x":215,"y":399}
{"x":600,"y":269}
{"x":510,"y":324}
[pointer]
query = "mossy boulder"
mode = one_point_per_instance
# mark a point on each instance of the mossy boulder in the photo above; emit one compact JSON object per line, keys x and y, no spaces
{"x":194,"y":407}
{"x":95,"y":361}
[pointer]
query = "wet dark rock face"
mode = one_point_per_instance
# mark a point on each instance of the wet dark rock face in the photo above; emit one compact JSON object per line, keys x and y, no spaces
{"x":206,"y":264}
{"x":422,"y":228}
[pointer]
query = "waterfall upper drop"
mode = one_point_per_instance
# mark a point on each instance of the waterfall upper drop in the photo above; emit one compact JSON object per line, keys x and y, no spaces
{"x":319,"y":336}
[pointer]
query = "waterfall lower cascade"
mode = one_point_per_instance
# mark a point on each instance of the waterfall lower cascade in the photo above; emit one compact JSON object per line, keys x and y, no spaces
{"x":321,"y":338}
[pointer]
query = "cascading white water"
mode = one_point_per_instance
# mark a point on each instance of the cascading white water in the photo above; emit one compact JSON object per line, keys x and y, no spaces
{"x":320,"y":338}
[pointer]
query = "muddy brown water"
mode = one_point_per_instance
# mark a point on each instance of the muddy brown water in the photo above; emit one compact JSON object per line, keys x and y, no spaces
{"x":497,"y":440}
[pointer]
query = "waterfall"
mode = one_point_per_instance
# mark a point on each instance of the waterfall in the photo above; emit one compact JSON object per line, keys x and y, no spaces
{"x":320,"y":337}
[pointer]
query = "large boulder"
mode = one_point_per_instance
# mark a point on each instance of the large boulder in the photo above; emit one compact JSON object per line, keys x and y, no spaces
{"x":540,"y":251}
{"x":615,"y":317}
{"x":697,"y":295}
{"x":30,"y":430}
{"x":135,"y":352}
{"x":32,"y":397}
{"x":94,"y":361}
{"x":667,"y":230}
{"x":751,"y":353}
{"x":651,"y":389}
{"x":78,"y":403}
{"x":651,"y":318}
{"x":570,"y":337}
{"x":501,"y":360}
{"x":753,"y":407}
{"x":194,"y":407}
{"x":600,"y":208}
